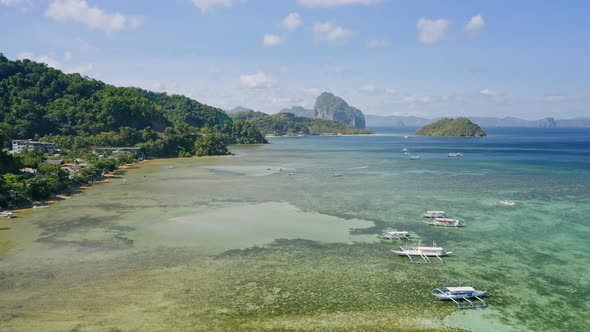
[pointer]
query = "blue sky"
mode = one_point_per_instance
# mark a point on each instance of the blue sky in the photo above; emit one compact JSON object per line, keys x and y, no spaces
{"x":430,"y":58}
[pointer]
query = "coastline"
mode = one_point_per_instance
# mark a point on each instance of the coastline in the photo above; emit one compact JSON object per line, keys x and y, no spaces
{"x":78,"y":189}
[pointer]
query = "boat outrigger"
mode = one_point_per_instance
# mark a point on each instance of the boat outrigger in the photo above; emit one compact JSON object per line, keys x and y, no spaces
{"x":434,"y":214}
{"x":445,"y":222}
{"x":463,"y":297}
{"x":424,"y":252}
{"x":397,"y":235}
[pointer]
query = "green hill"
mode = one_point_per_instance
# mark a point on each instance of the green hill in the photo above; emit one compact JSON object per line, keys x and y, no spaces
{"x":282,"y":124}
{"x":452,"y":127}
{"x":75,"y":111}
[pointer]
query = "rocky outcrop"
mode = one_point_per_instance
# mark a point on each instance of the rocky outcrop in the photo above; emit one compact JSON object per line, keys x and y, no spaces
{"x":330,"y":107}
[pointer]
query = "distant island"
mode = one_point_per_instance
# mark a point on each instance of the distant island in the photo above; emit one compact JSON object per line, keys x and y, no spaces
{"x":452,"y":127}
{"x":413,"y":121}
{"x":331,"y":116}
{"x":287,"y":124}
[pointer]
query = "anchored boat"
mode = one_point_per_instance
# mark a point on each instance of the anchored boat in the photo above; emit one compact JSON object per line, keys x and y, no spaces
{"x":455,"y":154}
{"x":445,"y":222}
{"x":463,"y":297}
{"x":423,"y":252}
{"x":507,"y":203}
{"x":398,"y":235}
{"x":416,"y":157}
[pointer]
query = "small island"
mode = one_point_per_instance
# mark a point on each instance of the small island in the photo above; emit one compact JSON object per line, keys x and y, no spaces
{"x":452,"y":127}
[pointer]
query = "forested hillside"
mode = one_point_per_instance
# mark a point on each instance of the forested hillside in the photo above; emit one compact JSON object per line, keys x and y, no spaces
{"x":75,"y":111}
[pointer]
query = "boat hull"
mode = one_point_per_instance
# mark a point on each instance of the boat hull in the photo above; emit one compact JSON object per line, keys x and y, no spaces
{"x":459,"y":296}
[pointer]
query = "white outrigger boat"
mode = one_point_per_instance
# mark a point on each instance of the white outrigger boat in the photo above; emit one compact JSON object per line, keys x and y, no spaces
{"x":434,"y":214}
{"x":416,"y":157}
{"x":397,"y":235}
{"x":463,"y":297}
{"x":405,"y":150}
{"x":455,"y":154}
{"x":6,"y":214}
{"x":445,"y":222}
{"x":43,"y":206}
{"x":423,"y":252}
{"x":507,"y":203}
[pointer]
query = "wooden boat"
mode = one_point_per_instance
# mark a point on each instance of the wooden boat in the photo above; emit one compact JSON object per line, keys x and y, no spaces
{"x":445,"y":222}
{"x":463,"y":297}
{"x":507,"y":203}
{"x":398,"y":235}
{"x":423,"y":252}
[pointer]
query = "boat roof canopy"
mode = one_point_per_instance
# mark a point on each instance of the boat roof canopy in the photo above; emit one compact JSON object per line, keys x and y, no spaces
{"x":460,"y":289}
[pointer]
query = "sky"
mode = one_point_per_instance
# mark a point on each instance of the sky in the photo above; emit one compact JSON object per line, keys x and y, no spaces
{"x":429,"y":58}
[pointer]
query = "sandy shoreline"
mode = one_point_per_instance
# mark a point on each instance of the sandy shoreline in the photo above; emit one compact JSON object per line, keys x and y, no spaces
{"x":107,"y":179}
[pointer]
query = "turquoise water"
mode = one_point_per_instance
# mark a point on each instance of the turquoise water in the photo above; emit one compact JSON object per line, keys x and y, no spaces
{"x":283,"y":237}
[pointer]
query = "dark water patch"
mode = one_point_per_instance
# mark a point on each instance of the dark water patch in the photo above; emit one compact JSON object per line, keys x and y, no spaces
{"x":117,"y":242}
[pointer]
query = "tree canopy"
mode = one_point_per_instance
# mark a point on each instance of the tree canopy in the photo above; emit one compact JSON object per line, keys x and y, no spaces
{"x":76,"y":111}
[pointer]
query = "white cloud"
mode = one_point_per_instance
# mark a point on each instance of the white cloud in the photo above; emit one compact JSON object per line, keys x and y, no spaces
{"x":488,"y":92}
{"x":205,"y":5}
{"x":271,"y":40}
{"x":391,"y":91}
{"x":328,"y":31}
{"x":291,"y":21}
{"x":258,"y":80}
{"x":368,"y":88}
{"x":68,"y":56}
{"x":94,"y":17}
{"x":432,"y":31}
{"x":475,"y":24}
{"x":377,"y":43}
{"x":336,"y":3}
{"x":283,"y":69}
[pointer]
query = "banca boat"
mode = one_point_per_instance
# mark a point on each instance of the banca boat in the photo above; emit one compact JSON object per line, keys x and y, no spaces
{"x":507,"y":203}
{"x":445,"y":222}
{"x":423,"y":252}
{"x":397,"y":235}
{"x":463,"y":297}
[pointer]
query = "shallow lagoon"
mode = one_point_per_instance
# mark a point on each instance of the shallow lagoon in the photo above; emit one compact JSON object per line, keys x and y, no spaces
{"x":271,"y":239}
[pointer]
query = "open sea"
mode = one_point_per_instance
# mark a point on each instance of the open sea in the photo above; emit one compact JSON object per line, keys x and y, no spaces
{"x":284,"y":236}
